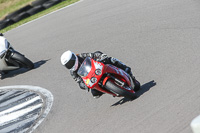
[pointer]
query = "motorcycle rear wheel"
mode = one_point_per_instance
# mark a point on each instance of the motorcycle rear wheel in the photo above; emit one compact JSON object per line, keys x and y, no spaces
{"x":111,"y":86}
{"x":137,"y":85}
{"x":22,"y":60}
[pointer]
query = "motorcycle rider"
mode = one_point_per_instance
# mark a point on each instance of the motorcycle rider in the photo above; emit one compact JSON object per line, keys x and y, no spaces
{"x":2,"y":73}
{"x":73,"y":62}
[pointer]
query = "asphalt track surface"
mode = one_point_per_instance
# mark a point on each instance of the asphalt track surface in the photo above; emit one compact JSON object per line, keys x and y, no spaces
{"x":158,"y":39}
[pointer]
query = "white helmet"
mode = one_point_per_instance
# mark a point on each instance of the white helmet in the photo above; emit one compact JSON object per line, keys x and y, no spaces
{"x":69,"y":60}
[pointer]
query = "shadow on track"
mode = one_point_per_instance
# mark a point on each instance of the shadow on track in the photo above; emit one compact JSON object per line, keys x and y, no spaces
{"x":39,"y":63}
{"x":23,"y":70}
{"x":144,"y":88}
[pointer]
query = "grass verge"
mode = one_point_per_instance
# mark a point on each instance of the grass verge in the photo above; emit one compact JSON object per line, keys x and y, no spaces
{"x":40,"y":14}
{"x":8,"y":6}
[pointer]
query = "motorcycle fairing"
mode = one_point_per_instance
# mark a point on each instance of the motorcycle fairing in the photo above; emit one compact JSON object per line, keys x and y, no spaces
{"x":119,"y":73}
{"x":94,"y":65}
{"x":105,"y":69}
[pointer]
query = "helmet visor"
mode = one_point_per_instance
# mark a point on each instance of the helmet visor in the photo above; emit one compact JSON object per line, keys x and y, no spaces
{"x":71,"y":62}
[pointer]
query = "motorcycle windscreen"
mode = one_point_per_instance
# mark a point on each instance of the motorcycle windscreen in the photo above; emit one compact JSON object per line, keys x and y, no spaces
{"x":85,"y":67}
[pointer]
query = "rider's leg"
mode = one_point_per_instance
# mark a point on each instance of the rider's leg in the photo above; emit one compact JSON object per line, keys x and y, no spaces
{"x":121,"y":65}
{"x":96,"y":93}
{"x":127,"y":69}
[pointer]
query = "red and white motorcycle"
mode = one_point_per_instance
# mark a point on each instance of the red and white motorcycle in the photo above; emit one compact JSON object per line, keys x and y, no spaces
{"x":107,"y":79}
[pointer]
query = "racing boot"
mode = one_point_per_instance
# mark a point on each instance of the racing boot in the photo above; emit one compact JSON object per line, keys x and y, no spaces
{"x":136,"y":83}
{"x":96,"y":94}
{"x":2,"y":74}
{"x":127,"y":69}
{"x":121,"y":65}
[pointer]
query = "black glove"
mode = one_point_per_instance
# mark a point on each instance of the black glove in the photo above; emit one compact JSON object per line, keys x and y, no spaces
{"x":102,"y":57}
{"x":75,"y":76}
{"x":83,"y":86}
{"x":78,"y":79}
{"x":84,"y":55}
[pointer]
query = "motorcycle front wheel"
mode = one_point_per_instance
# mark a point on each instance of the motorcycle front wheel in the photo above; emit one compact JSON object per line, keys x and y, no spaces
{"x":22,"y":60}
{"x":112,"y":87}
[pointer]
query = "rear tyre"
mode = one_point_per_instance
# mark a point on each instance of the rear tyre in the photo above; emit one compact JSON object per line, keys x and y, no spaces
{"x":137,"y":85}
{"x":22,"y":60}
{"x":111,"y":86}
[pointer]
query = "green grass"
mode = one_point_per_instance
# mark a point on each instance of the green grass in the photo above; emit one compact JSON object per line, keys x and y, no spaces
{"x":49,"y":10}
{"x":8,"y":6}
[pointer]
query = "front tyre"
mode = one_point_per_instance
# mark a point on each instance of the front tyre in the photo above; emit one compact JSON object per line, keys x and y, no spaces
{"x":22,"y":60}
{"x":111,"y":86}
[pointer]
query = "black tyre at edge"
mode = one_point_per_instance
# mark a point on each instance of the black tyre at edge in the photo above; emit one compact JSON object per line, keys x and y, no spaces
{"x":22,"y":60}
{"x":50,"y":3}
{"x":38,"y":2}
{"x":15,"y":13}
{"x":111,"y":86}
{"x":6,"y":22}
{"x":35,"y":10}
{"x":21,"y":16}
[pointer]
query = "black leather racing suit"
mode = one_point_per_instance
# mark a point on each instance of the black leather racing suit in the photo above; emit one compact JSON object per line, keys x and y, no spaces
{"x":98,"y":56}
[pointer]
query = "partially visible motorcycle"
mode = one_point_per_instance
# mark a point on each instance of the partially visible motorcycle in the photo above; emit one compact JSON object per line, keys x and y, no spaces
{"x":107,"y":79}
{"x":11,"y":59}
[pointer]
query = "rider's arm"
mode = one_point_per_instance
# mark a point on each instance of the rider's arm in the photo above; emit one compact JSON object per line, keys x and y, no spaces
{"x":83,"y":86}
{"x":79,"y":80}
{"x":98,"y":55}
{"x":84,"y":55}
{"x":75,"y":76}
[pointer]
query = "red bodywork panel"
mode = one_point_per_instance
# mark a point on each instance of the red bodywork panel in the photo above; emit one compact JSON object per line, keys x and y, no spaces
{"x":105,"y":68}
